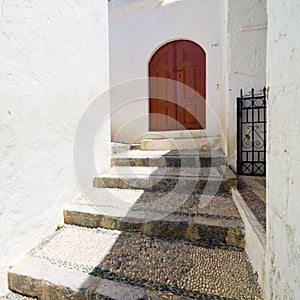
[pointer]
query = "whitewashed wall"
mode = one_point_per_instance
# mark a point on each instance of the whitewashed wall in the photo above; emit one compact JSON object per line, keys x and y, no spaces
{"x":283,"y":173}
{"x":137,"y":29}
{"x":53,"y":64}
{"x":246,"y":31}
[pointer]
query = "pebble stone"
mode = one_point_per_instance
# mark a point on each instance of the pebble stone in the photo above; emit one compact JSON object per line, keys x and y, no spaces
{"x":253,"y":191}
{"x":219,"y":206}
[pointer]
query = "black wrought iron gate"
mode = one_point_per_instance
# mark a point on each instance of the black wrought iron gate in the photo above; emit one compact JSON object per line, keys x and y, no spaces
{"x":251,"y":133}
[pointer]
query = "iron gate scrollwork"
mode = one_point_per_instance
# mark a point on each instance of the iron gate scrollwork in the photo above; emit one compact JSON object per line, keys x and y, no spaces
{"x":251,"y":132}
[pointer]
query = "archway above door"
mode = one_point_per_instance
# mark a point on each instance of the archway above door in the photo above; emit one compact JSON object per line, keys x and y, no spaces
{"x":183,"y":103}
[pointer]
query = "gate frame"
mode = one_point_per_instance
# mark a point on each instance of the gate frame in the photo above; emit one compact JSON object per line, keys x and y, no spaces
{"x":253,"y":97}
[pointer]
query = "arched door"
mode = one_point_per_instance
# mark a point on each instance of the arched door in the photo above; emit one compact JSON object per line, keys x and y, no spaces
{"x":179,"y":106}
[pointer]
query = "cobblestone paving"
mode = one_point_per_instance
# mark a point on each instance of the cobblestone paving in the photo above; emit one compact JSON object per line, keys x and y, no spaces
{"x":253,"y":191}
{"x":169,"y":266}
{"x":190,"y":205}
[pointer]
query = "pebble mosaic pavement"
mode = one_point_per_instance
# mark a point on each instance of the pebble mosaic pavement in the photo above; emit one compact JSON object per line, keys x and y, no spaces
{"x":253,"y":191}
{"x":174,"y":269}
{"x":168,"y":266}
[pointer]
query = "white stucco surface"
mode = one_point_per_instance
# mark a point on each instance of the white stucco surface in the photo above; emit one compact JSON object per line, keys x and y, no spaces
{"x":246,"y":31}
{"x":283,"y":165}
{"x":53,"y":64}
{"x":137,"y":30}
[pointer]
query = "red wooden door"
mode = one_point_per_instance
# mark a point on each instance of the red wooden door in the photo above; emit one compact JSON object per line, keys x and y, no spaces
{"x":179,"y":105}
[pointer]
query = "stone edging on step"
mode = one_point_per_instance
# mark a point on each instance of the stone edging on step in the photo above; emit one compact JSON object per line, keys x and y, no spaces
{"x":255,"y":237}
{"x":214,"y":232}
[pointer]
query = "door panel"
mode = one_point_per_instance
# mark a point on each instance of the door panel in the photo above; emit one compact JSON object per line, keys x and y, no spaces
{"x":162,"y":111}
{"x":184,"y":62}
{"x":190,"y":66}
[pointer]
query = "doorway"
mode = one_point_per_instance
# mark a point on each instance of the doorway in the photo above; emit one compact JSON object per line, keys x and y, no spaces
{"x":182,"y":104}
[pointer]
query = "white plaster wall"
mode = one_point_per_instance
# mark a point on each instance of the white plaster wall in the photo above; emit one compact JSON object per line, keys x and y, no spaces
{"x":137,"y":29}
{"x":283,"y":165}
{"x":246,"y":26}
{"x":53,"y":64}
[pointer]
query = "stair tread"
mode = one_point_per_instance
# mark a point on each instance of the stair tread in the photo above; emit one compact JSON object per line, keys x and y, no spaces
{"x":176,"y":133}
{"x":203,"y":180}
{"x":190,"y":138}
{"x":167,"y":153}
{"x":146,"y":172}
{"x":209,"y":219}
{"x":122,"y":265}
{"x":131,"y":203}
{"x":182,"y":143}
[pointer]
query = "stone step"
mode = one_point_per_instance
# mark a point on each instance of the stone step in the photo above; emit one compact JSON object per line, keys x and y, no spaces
{"x":160,"y":158}
{"x":183,"y":180}
{"x":119,"y":147}
{"x":135,"y":146}
{"x":81,"y":263}
{"x":197,"y":143}
{"x":175,"y":134}
{"x":210,"y":220}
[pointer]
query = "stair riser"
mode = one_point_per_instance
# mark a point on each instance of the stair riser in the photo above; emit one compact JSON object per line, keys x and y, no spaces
{"x":192,"y":232}
{"x":202,"y":144}
{"x":175,"y":134}
{"x":45,"y":290}
{"x":170,"y":162}
{"x":41,"y":289}
{"x":89,"y":288}
{"x":135,"y":146}
{"x":167,"y":184}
